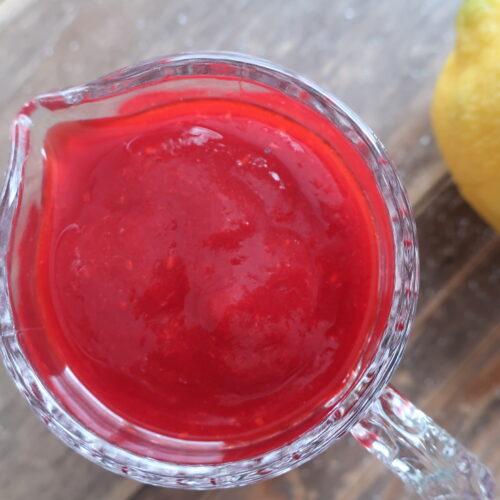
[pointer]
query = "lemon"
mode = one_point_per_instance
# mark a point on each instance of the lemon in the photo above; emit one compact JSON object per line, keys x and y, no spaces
{"x":466,"y":108}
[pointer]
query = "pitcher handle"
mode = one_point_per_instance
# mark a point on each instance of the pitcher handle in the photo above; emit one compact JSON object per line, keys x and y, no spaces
{"x":423,"y":455}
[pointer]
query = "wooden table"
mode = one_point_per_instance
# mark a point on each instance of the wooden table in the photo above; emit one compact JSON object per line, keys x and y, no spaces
{"x":382,"y":58}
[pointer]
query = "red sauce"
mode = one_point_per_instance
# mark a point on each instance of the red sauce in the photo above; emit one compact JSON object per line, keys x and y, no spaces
{"x":207,"y":269}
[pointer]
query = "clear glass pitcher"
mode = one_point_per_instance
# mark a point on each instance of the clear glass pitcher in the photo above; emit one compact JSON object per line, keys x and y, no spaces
{"x":408,"y":442}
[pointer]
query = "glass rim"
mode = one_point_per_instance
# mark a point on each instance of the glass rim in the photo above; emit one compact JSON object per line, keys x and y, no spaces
{"x":359,"y":393}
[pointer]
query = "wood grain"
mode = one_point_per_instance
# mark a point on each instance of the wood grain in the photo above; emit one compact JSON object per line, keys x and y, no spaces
{"x":382,"y":59}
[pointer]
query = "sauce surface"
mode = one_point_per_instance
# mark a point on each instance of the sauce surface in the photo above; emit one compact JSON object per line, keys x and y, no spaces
{"x":207,"y":269}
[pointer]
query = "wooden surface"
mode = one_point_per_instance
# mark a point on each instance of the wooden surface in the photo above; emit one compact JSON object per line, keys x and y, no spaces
{"x":382,"y":58}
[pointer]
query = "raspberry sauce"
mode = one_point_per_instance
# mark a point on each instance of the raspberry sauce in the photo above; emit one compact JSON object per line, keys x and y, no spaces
{"x":208,"y":269}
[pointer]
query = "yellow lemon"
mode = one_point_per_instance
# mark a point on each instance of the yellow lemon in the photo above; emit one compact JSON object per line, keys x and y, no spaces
{"x":466,"y":107}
